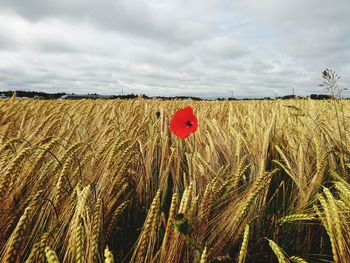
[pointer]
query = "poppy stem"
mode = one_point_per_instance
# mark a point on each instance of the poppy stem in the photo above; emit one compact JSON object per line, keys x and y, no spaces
{"x":194,"y":148}
{"x":194,"y":143}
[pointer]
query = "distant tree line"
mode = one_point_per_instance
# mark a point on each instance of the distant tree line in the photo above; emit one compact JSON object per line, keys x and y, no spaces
{"x":33,"y":94}
{"x":44,"y":95}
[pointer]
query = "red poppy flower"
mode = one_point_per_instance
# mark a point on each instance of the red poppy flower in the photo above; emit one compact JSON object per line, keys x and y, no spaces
{"x":184,"y":122}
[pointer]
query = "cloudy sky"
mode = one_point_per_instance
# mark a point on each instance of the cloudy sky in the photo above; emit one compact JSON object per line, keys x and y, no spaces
{"x":206,"y":48}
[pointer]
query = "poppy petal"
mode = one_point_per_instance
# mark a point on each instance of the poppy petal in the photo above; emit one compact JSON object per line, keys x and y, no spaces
{"x":179,"y":123}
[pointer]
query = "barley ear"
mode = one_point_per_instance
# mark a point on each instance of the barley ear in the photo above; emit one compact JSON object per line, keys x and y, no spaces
{"x":108,"y":256}
{"x":244,"y":247}
{"x":204,"y":256}
{"x":79,"y":244}
{"x":16,"y":238}
{"x":298,"y":259}
{"x":51,"y":256}
{"x":278,"y":252}
{"x":96,"y":230}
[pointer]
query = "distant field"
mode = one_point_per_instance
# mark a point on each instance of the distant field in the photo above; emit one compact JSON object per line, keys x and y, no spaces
{"x":90,"y":180}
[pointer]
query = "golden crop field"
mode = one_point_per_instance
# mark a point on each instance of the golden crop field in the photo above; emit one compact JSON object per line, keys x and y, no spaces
{"x":106,"y":181}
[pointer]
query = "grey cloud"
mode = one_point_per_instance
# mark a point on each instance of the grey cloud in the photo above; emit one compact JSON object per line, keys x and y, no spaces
{"x":306,"y":28}
{"x":222,"y":48}
{"x":199,"y":48}
{"x":128,"y":17}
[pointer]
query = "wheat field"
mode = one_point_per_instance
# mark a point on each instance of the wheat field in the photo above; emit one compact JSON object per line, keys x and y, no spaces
{"x":106,"y":181}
